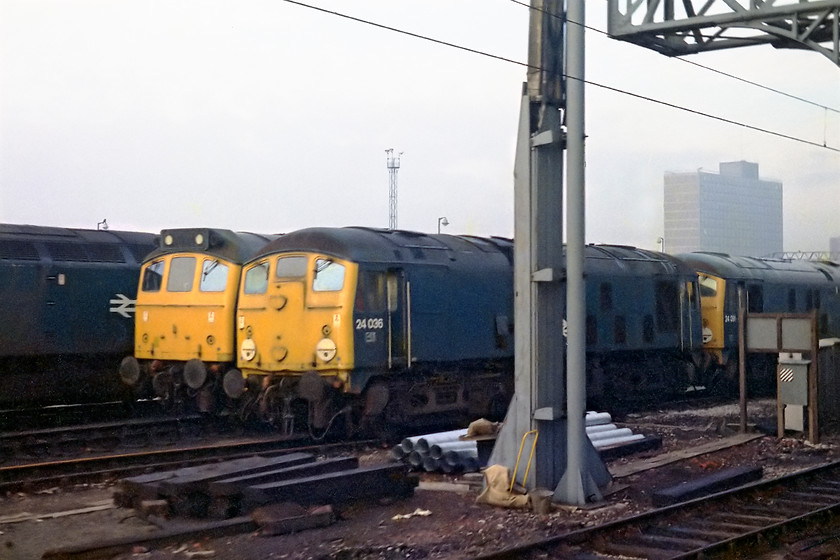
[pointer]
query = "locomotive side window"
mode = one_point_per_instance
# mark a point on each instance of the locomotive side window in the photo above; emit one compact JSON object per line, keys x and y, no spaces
{"x":290,"y":267}
{"x":370,"y":292}
{"x":647,"y":329}
{"x":791,"y":300}
{"x":329,"y":276}
{"x":755,"y":299}
{"x":393,"y":292}
{"x":620,"y":330}
{"x":181,"y":274}
{"x":256,"y":279}
{"x":214,"y":276}
{"x":153,"y":277}
{"x":606,"y":297}
{"x":667,"y":307}
{"x":591,"y":330}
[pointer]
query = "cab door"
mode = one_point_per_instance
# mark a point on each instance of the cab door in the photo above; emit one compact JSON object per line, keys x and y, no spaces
{"x":371,"y":330}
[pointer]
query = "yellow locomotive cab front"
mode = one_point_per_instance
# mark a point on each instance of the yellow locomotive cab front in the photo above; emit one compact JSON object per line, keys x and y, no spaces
{"x":295,"y":317}
{"x":188,"y":312}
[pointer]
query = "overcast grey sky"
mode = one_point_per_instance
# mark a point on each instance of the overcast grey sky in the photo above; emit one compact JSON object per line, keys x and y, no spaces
{"x":265,"y":116}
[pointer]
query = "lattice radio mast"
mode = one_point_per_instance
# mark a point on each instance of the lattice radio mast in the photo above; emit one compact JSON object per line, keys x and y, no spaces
{"x":393,"y":164}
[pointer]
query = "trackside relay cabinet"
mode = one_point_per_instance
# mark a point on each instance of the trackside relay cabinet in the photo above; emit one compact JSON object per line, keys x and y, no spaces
{"x":793,"y":390}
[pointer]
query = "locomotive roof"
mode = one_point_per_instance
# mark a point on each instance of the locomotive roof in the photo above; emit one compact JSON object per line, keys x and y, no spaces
{"x":362,"y":244}
{"x":754,"y":268}
{"x":20,"y":242}
{"x":618,"y":259}
{"x":233,"y":246}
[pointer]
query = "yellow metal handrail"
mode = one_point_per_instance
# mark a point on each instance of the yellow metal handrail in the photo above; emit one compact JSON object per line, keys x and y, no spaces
{"x":518,"y":457}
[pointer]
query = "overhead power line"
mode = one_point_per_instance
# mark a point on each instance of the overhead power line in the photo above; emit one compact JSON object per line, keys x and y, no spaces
{"x":595,"y":84}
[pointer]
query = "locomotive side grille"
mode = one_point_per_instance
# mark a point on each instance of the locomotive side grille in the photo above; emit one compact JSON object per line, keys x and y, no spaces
{"x":18,"y":250}
{"x":93,"y":252}
{"x":105,"y":252}
{"x":66,"y":252}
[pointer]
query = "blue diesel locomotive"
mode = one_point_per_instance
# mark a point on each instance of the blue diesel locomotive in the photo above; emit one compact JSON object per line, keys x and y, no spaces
{"x":66,"y":312}
{"x":414,"y":326}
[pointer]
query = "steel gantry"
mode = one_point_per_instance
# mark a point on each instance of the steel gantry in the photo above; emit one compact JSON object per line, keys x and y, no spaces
{"x":688,"y":26}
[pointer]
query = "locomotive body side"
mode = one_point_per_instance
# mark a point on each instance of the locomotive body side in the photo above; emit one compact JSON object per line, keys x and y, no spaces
{"x":643,"y":324}
{"x":185,"y":314}
{"x":67,"y":298}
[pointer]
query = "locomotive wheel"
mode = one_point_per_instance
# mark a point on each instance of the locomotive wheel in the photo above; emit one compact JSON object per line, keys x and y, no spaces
{"x":376,"y":399}
{"x":163,"y":383}
{"x":726,"y":380}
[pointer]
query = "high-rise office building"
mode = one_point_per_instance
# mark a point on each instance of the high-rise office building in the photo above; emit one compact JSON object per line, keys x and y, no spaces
{"x":733,"y":211}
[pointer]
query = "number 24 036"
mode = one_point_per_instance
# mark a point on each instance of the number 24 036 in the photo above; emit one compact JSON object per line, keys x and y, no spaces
{"x":370,"y":323}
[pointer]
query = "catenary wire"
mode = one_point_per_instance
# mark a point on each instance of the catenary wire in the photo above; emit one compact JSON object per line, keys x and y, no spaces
{"x":595,"y":84}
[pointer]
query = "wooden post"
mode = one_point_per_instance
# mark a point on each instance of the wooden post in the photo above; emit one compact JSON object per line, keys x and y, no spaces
{"x":742,"y":356}
{"x":780,"y":408}
{"x":813,"y":384}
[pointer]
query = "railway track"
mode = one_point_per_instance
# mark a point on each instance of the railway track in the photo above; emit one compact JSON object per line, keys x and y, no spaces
{"x":727,"y":525}
{"x":52,"y":472}
{"x":93,"y":438}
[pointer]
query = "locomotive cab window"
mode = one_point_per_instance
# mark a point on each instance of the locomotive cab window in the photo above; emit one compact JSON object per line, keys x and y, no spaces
{"x":708,"y":286}
{"x":181,"y":274}
{"x":290,"y":268}
{"x":214,"y":276}
{"x":256,"y":279}
{"x":329,"y":276}
{"x":153,"y":277}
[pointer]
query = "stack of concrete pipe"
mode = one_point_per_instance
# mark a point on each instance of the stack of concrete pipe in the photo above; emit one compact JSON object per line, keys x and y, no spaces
{"x":442,"y":451}
{"x":448,"y":453}
{"x":603,"y":433}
